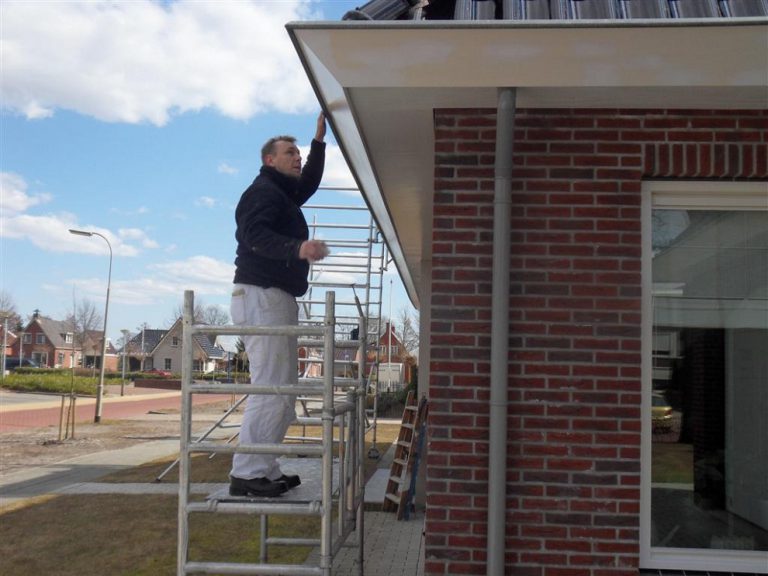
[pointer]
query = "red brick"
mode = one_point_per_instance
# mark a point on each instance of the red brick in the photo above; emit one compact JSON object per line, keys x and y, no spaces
{"x":575,"y":378}
{"x":715,"y":123}
{"x":619,"y":148}
{"x":642,"y":136}
{"x":690,"y":136}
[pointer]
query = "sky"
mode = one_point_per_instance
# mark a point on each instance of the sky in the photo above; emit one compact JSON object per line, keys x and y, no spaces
{"x":143,"y":120}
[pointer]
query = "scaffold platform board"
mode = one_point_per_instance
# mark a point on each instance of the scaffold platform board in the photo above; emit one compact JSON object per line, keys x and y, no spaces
{"x":310,"y":489}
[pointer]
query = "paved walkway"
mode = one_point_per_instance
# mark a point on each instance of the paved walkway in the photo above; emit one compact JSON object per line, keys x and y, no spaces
{"x":392,"y":548}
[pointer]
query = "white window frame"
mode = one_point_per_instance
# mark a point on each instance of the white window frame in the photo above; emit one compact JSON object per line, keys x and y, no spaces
{"x":684,"y":195}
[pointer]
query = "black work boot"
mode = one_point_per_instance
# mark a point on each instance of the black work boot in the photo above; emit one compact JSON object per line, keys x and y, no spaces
{"x":256,"y":487}
{"x":291,"y":480}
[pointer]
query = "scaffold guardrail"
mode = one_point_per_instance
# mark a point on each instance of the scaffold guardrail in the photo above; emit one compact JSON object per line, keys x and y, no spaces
{"x":342,"y":482}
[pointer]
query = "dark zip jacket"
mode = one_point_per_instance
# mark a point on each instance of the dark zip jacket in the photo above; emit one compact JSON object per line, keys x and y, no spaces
{"x":271,"y":226}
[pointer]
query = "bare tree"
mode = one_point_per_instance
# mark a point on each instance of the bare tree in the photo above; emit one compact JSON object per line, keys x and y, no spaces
{"x":8,"y":310}
{"x":214,"y":315}
{"x":241,"y":357}
{"x":203,"y":313}
{"x":409,"y":335}
{"x":85,"y":318}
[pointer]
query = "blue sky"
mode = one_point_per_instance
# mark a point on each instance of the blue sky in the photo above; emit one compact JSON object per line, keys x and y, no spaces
{"x":143,"y":121}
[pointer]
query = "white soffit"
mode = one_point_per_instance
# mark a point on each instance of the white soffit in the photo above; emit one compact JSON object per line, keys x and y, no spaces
{"x":381,"y":81}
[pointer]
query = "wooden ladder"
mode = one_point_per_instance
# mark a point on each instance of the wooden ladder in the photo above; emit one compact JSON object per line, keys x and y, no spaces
{"x":400,"y":486}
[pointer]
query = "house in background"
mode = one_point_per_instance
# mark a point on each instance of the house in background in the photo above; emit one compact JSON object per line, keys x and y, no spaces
{"x":9,"y":339}
{"x":570,"y":190}
{"x":228,"y":345}
{"x":50,"y":343}
{"x":161,"y":349}
{"x":387,"y":353}
{"x":394,"y":362}
{"x":91,"y":350}
{"x":138,"y":350}
{"x":53,"y":344}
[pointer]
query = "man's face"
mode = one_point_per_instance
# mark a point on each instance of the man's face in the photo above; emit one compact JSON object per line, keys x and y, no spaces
{"x":286,"y":159}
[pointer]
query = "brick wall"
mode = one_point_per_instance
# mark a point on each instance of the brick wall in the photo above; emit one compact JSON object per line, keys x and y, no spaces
{"x":573,"y":480}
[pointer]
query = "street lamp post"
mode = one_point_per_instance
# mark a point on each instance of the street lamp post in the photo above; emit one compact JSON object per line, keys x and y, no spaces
{"x":125,"y":350}
{"x":100,"y":387}
{"x":5,"y":344}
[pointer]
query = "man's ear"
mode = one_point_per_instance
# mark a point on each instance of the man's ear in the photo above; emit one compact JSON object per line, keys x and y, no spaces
{"x":269,"y":160}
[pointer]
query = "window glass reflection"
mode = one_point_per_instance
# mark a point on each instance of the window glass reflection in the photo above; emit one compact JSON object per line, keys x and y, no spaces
{"x":709,"y":414}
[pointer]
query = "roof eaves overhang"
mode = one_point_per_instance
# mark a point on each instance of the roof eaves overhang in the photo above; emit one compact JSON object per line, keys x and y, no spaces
{"x":380,"y":83}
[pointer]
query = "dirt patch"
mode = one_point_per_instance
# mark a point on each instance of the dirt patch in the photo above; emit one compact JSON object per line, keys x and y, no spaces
{"x":40,"y":446}
{"x":35,"y":447}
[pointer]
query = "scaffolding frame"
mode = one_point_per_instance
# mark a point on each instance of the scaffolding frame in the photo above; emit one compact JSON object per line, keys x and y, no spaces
{"x":372,"y":270}
{"x":347,"y":414}
{"x":369,"y":262}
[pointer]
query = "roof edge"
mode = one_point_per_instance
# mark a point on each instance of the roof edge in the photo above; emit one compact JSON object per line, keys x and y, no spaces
{"x":534,"y":24}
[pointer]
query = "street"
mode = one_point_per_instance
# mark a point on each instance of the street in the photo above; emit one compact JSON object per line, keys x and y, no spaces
{"x":20,"y":411}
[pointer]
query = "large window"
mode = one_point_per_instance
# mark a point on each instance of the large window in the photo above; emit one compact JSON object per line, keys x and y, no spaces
{"x":705,"y":437}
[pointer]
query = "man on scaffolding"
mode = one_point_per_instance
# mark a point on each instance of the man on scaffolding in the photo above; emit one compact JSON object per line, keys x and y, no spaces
{"x":271,"y":268}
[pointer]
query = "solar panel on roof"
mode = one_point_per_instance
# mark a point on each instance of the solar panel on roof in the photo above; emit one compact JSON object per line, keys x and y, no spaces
{"x":379,"y":10}
{"x":694,"y":8}
{"x":594,"y":9}
{"x":744,"y":8}
{"x":475,"y":10}
{"x":559,"y":9}
{"x":579,"y":9}
{"x":634,"y":9}
{"x":585,"y":9}
{"x":525,"y":9}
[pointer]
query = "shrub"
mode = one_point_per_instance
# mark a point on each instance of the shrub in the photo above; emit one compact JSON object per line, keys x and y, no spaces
{"x":54,"y":381}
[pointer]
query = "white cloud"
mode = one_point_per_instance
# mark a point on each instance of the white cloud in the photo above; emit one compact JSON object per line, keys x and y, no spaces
{"x":206,"y":201}
{"x":164,"y":282}
{"x":14,"y":198}
{"x":143,"y":61}
{"x":138,"y":235}
{"x":49,"y":232}
{"x":225,"y":168}
{"x":202,"y":274}
{"x":137,"y":212}
{"x":336,"y":172}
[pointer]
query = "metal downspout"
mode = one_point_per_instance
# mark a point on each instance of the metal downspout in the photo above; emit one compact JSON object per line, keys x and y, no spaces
{"x":497,"y":450}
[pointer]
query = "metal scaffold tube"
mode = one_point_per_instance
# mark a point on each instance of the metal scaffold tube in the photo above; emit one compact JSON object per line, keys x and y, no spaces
{"x":356,"y":274}
{"x":326,"y":538}
{"x":186,"y":432}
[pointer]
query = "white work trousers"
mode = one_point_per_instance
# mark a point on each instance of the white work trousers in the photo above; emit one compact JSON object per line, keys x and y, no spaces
{"x":273,"y":361}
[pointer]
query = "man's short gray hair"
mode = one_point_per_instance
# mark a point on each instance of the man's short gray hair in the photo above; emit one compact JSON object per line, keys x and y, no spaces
{"x":269,"y":146}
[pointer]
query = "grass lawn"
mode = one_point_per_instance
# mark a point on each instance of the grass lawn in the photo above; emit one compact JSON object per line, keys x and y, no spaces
{"x":672,"y":463}
{"x":120,"y":535}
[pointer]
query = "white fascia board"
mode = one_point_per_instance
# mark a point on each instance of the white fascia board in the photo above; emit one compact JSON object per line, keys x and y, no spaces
{"x":380,"y":82}
{"x":494,"y":54}
{"x":339,"y":110}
